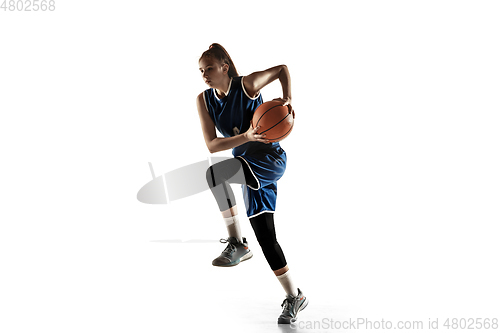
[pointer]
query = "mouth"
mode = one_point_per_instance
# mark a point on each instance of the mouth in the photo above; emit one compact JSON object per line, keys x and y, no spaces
{"x":207,"y":81}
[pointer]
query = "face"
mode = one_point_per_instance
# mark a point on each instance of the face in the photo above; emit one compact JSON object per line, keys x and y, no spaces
{"x":212,"y":72}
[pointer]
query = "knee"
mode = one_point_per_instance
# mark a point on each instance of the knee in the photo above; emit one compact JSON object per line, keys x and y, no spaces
{"x":263,"y":226}
{"x":210,"y":175}
{"x":227,"y":170}
{"x":266,"y":240}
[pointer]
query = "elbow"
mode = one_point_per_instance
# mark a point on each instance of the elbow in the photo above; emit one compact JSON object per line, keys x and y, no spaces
{"x":283,"y":72}
{"x":211,"y":148}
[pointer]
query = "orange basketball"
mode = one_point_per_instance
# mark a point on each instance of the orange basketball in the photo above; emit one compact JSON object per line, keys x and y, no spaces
{"x":274,"y":121}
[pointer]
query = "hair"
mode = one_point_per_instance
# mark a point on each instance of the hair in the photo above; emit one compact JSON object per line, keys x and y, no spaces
{"x":217,"y":52}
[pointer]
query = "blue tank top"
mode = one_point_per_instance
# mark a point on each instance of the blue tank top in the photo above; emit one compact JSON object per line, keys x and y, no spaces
{"x":232,"y":115}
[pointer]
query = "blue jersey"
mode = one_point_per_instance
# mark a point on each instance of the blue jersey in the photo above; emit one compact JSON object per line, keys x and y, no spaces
{"x":232,"y":115}
{"x":267,"y":161}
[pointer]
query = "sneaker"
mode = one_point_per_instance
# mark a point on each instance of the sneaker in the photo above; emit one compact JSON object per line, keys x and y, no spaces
{"x":292,"y":305}
{"x":234,"y":253}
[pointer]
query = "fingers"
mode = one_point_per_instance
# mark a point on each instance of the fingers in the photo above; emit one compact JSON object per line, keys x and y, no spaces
{"x":281,"y":100}
{"x":262,"y":140}
{"x":291,"y":110}
{"x":286,"y":102}
{"x":259,"y":137}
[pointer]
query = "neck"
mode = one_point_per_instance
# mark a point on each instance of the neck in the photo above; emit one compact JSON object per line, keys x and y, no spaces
{"x":223,"y":89}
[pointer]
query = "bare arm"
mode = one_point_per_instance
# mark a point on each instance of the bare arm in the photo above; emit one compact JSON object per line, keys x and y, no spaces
{"x":256,"y":81}
{"x":214,"y":143}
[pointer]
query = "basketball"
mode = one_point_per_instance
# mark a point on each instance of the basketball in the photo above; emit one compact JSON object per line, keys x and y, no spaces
{"x":274,"y":121}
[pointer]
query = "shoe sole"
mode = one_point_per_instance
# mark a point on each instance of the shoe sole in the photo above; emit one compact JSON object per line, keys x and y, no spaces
{"x":247,"y":256}
{"x":303,"y":306}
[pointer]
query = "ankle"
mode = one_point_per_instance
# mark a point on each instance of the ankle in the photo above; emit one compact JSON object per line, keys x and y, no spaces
{"x":233,"y":227}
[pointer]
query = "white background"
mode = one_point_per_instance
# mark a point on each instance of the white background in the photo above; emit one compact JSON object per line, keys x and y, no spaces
{"x":390,"y":201}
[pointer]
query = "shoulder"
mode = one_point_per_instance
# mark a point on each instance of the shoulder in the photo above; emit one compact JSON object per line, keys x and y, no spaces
{"x":204,"y":95}
{"x":246,"y":88}
{"x":200,"y":97}
{"x":201,"y":101}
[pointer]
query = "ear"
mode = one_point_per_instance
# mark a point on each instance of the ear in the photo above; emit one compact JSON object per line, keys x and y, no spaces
{"x":225,"y":68}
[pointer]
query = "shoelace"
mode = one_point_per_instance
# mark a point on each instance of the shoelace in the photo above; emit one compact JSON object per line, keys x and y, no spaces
{"x":287,"y":304}
{"x":230,"y":248}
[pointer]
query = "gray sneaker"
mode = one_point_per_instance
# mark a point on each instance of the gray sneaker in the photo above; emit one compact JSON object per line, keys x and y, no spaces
{"x":291,"y":307}
{"x":234,"y":253}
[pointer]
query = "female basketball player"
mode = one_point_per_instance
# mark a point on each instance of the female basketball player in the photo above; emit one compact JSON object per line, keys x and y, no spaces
{"x":228,"y":105}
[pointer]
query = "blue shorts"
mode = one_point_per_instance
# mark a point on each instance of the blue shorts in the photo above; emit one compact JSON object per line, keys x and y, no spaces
{"x":267,"y":168}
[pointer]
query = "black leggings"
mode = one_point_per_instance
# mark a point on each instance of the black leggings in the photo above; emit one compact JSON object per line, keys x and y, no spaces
{"x":263,"y":226}
{"x":236,"y":171}
{"x":231,"y":171}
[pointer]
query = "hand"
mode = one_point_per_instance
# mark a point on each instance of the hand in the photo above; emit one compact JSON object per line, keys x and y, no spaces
{"x":287,"y":102}
{"x":252,"y":135}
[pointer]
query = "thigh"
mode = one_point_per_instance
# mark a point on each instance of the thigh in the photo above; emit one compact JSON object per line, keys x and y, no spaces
{"x":232,"y":170}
